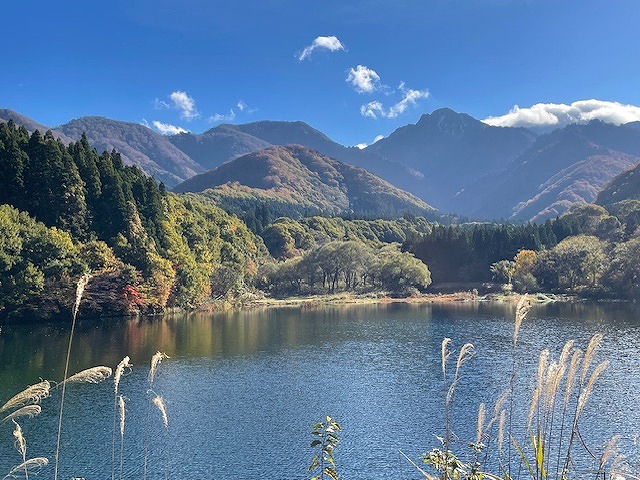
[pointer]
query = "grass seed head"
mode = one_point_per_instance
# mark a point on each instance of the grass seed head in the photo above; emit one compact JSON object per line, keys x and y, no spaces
{"x":588,"y":355}
{"x":27,"y":465}
{"x":20,"y":443}
{"x":155,"y":362}
{"x":32,"y":394}
{"x":159,"y":402}
{"x":119,"y":371}
{"x":90,"y":375}
{"x":445,"y":356}
{"x":28,"y":411}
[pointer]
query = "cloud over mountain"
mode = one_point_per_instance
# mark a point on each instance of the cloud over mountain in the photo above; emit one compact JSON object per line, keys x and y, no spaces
{"x":410,"y":97}
{"x":548,"y":116}
{"x":167,"y":128}
{"x":180,"y":101}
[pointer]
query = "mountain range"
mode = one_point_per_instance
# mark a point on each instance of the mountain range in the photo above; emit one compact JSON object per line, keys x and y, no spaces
{"x":449,"y":160}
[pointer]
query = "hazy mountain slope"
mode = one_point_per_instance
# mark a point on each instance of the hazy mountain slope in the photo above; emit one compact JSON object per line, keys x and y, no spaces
{"x":138,"y":145}
{"x":302,"y":180}
{"x":446,"y":151}
{"x":578,"y":183}
{"x":218,"y":145}
{"x":625,"y":186}
{"x":572,"y":163}
{"x":29,"y":124}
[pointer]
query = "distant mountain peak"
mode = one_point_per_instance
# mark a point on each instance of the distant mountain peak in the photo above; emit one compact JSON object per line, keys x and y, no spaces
{"x":449,"y":121}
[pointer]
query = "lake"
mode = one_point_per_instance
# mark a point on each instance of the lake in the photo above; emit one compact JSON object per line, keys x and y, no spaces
{"x":242,"y":389}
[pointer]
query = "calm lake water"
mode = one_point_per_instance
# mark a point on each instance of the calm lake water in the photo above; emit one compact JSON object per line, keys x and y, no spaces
{"x":242,"y":389}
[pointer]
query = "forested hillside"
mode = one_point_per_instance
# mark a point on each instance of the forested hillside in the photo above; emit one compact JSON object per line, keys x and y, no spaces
{"x":70,"y":211}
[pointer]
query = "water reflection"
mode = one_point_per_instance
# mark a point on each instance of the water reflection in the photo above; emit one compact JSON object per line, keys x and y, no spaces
{"x":245,"y":386}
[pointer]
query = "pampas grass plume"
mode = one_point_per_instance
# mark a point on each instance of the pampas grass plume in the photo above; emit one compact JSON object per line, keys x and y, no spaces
{"x":119,"y":371}
{"x":20,"y":444}
{"x":522,"y":309}
{"x":27,"y":465}
{"x":90,"y":375}
{"x":159,"y":402}
{"x":33,"y":394}
{"x":155,"y":362}
{"x":445,"y":357}
{"x":28,"y":411}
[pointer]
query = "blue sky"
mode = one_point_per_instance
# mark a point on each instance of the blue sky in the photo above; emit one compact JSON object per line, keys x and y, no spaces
{"x":240,"y":61}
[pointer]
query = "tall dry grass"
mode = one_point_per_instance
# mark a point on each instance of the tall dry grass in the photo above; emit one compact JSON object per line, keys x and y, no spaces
{"x":545,"y":447}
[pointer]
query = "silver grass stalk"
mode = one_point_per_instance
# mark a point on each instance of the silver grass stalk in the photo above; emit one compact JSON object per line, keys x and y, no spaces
{"x":119,"y":371}
{"x":116,"y":383}
{"x":522,"y":309}
{"x":155,"y":362}
{"x":28,"y":411}
{"x":501,"y":430}
{"x":20,"y":443}
{"x":588,"y":355}
{"x":27,"y":465}
{"x":480,"y":427}
{"x":584,"y":395}
{"x":543,"y":361}
{"x":158,"y":401}
{"x":500,"y":402}
{"x":90,"y":375}
{"x":32,"y":394}
{"x":445,"y":357}
{"x":550,"y":381}
{"x":466,"y":353}
{"x":576,"y":358}
{"x":82,"y":284}
{"x":610,"y":451}
{"x":122,"y":418}
{"x":122,"y":414}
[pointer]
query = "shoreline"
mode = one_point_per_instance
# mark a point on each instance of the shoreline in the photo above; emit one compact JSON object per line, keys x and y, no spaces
{"x":337,"y":299}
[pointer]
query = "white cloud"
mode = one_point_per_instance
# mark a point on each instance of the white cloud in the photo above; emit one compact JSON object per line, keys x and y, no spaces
{"x":218,"y":117}
{"x":364,"y":79}
{"x":328,"y":43}
{"x":160,"y":104}
{"x":373,"y":109}
{"x":186,"y":104}
{"x":241,"y":105}
{"x":410,"y":97}
{"x":167,"y":129}
{"x":547,"y":116}
{"x":362,"y":146}
{"x":179,"y":101}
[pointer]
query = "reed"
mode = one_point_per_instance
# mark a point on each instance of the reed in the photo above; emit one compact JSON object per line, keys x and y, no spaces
{"x":32,"y":394}
{"x":159,"y":402}
{"x":27,"y":466}
{"x":80,"y":287}
{"x":562,"y":388}
{"x":156,"y":360}
{"x":121,"y":409}
{"x":119,"y":372}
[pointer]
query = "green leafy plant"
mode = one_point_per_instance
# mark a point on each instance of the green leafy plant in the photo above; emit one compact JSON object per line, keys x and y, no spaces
{"x":326,"y":441}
